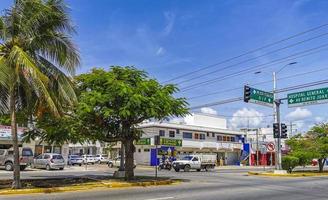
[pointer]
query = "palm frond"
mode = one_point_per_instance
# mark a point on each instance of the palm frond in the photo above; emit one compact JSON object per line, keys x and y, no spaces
{"x":36,"y":79}
{"x":2,"y":28}
{"x":58,"y":48}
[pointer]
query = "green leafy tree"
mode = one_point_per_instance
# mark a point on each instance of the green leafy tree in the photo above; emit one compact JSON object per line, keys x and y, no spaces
{"x":289,"y":163}
{"x":313,"y":145}
{"x":36,"y":53}
{"x":113,"y":103}
{"x":319,"y":137}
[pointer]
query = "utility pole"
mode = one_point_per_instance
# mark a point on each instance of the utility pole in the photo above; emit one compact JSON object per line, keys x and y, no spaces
{"x":257,"y":147}
{"x":276,"y":115}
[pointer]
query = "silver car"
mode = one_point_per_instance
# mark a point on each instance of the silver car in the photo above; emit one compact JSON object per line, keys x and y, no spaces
{"x":49,"y":161}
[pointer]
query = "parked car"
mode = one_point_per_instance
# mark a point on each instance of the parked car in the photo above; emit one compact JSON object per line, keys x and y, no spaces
{"x":117,"y":162}
{"x":49,"y":161}
{"x":75,"y":160}
{"x":102,"y":158}
{"x":197,"y":162}
{"x":7,"y":158}
{"x":89,"y":159}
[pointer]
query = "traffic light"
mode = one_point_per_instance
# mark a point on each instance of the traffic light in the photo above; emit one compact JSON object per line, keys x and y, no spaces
{"x":283,"y":130}
{"x":276,"y":130}
{"x":157,"y":140}
{"x":247,"y":93}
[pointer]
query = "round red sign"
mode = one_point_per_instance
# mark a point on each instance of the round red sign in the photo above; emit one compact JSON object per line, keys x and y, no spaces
{"x":270,"y":146}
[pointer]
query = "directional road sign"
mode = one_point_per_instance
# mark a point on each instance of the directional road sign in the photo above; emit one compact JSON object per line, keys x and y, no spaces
{"x":143,"y":141}
{"x":309,"y":97}
{"x":171,"y":142}
{"x":261,"y":97}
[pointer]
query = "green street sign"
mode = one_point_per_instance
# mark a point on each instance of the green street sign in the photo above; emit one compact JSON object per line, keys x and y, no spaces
{"x":261,"y":97}
{"x":143,"y":141}
{"x":309,"y":97}
{"x":171,"y":142}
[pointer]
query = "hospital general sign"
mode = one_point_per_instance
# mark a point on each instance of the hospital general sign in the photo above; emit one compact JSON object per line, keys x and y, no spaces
{"x":308,"y":97}
{"x":171,"y":142}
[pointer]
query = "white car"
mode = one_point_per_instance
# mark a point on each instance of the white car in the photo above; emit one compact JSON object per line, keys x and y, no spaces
{"x":89,"y":159}
{"x":102,"y":158}
{"x":117,"y":162}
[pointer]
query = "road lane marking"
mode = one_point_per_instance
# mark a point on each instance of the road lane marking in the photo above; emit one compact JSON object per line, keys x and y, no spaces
{"x":161,"y":198}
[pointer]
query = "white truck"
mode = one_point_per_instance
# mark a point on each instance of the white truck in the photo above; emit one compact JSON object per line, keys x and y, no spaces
{"x":198,"y":162}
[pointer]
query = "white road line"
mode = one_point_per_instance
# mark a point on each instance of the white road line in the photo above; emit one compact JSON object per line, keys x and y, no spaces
{"x":162,"y":198}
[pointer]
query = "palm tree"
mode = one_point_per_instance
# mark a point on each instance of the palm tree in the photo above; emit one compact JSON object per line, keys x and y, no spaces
{"x":37,"y":56}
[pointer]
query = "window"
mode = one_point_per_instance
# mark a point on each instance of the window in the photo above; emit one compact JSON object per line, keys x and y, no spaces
{"x":162,"y":133}
{"x":146,"y":150}
{"x":171,"y":134}
{"x":233,"y":139}
{"x":58,"y":157}
{"x":27,"y":152}
{"x":202,"y":136}
{"x":196,"y":136}
{"x":47,"y":149}
{"x":195,"y":159}
{"x":2,"y":151}
{"x":207,"y":134}
{"x":46,"y":156}
{"x":57,"y":150}
{"x":139,"y":150}
{"x":219,"y":138}
{"x":187,"y":135}
{"x":178,"y":131}
{"x":224,"y":138}
{"x":213,"y":134}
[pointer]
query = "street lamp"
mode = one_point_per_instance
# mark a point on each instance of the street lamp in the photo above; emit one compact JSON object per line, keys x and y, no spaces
{"x":276,"y":112}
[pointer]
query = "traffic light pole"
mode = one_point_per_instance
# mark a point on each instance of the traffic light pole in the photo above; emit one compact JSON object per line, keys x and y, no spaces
{"x":276,"y":114}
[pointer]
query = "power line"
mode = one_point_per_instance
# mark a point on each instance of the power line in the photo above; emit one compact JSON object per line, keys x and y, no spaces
{"x":248,"y":52}
{"x":257,"y":67}
{"x":258,"y":83}
{"x":254,"y":58}
{"x":236,"y":99}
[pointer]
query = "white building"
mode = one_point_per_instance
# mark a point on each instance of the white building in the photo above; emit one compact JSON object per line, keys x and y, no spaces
{"x":38,"y":147}
{"x":89,"y":148}
{"x":198,"y":133}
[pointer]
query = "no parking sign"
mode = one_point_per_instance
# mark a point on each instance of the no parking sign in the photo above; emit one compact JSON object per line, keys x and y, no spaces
{"x":270,"y":146}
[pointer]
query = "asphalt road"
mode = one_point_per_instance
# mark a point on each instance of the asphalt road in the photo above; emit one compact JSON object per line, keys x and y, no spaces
{"x":232,"y":184}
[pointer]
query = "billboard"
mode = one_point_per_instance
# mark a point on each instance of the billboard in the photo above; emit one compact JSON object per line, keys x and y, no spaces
{"x":5,"y":132}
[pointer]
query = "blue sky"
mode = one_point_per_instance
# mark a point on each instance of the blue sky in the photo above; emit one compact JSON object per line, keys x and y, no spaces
{"x":169,"y":38}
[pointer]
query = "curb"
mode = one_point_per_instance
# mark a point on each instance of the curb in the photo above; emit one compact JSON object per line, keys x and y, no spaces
{"x":87,"y":186}
{"x":286,"y":175}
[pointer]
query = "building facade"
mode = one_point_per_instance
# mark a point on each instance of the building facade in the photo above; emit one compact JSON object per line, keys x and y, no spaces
{"x":203,"y":135}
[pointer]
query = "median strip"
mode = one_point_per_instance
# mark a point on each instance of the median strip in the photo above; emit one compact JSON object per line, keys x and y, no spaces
{"x":103,"y":184}
{"x":294,"y":174}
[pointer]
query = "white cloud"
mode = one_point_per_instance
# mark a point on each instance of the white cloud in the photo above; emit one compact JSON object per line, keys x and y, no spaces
{"x":208,"y":110}
{"x":246,"y":117}
{"x":160,"y":51}
{"x":170,"y":19}
{"x":319,"y":119}
{"x":298,"y":114}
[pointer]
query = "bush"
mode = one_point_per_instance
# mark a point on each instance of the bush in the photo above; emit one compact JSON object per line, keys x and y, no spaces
{"x":289,"y":163}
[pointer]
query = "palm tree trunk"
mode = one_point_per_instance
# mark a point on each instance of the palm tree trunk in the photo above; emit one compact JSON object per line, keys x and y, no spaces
{"x":129,"y":159}
{"x":16,"y":183}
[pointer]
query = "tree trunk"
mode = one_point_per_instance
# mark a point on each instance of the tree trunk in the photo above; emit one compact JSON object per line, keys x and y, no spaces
{"x":129,"y":159}
{"x":16,"y":183}
{"x":122,"y":154}
{"x":321,"y":163}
